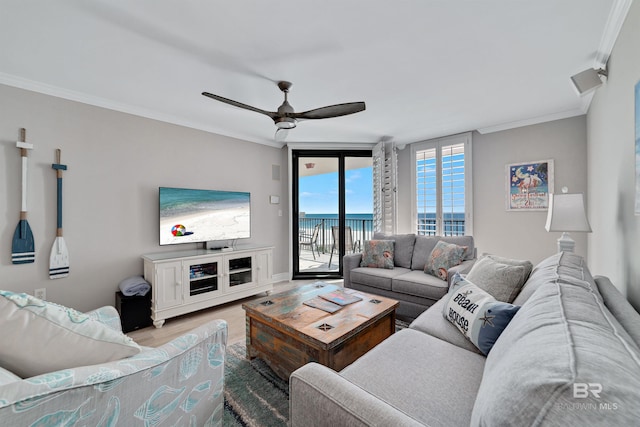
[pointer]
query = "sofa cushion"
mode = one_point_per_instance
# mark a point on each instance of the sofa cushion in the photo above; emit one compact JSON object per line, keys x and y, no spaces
{"x":47,"y":337}
{"x":419,"y":284}
{"x":431,"y":380}
{"x":377,"y":254}
{"x":568,"y":264}
{"x":443,"y":256}
{"x":477,"y":314}
{"x":403,"y":250}
{"x":433,"y":323}
{"x":569,"y":361}
{"x":501,"y":277}
{"x":7,"y":377}
{"x":376,"y":277}
{"x":425,"y":244}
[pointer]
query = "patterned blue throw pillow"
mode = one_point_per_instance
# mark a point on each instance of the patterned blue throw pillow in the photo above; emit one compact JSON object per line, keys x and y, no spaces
{"x":477,"y":314}
{"x":378,"y":254}
{"x":444,"y":256}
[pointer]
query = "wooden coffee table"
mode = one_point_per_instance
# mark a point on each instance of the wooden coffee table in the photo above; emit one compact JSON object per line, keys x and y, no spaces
{"x":287,"y":334}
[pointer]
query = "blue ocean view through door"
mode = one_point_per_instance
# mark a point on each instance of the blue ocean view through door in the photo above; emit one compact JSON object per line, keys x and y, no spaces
{"x":362,"y":224}
{"x":321,"y":193}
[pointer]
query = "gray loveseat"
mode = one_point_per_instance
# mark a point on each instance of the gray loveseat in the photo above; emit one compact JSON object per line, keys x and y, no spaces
{"x":407,"y":282}
{"x":570,"y":356}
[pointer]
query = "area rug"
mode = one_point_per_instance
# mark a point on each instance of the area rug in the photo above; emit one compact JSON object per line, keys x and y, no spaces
{"x":254,"y":396}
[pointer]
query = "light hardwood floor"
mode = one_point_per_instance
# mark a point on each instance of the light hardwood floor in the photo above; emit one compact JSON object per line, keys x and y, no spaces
{"x":231,"y":312}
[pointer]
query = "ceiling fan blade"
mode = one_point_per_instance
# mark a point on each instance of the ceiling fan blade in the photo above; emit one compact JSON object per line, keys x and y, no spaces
{"x":331,"y":111}
{"x":240,"y":105}
{"x":281,"y":134}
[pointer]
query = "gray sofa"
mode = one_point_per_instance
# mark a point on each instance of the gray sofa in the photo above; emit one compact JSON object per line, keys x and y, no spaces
{"x":570,"y":356}
{"x":407,"y":282}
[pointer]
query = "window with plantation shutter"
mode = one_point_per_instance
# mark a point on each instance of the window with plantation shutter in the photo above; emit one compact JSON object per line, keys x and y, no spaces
{"x":384,"y":187}
{"x":442,"y":179}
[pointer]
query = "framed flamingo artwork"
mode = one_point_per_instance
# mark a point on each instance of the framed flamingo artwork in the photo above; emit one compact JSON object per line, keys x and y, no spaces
{"x":528,"y":185}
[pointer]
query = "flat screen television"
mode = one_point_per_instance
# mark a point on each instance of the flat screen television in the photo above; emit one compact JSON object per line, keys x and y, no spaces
{"x":190,"y":216}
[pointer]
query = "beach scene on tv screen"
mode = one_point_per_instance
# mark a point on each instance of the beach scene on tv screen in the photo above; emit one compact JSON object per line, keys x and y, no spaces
{"x":189,"y":215}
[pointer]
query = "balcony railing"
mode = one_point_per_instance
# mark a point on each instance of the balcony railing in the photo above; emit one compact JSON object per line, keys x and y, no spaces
{"x":452,"y":227}
{"x":362,"y":229}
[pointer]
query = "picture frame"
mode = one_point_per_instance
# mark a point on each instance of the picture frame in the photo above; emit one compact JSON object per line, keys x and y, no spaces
{"x":637,"y":147}
{"x":528,"y":185}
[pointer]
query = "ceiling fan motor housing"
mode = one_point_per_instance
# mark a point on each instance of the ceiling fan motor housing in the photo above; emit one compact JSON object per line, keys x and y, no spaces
{"x":283,"y":120}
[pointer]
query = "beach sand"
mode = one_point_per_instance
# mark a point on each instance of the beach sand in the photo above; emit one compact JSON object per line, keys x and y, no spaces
{"x":223,"y":224}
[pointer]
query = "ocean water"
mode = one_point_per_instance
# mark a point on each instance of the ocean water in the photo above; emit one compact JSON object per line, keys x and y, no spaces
{"x":364,"y":221}
{"x":180,"y":201}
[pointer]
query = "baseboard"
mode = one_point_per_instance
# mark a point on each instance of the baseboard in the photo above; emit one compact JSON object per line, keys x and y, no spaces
{"x":281,"y":277}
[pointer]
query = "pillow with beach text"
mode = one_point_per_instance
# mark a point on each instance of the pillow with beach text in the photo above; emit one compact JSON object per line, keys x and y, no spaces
{"x":477,"y":314}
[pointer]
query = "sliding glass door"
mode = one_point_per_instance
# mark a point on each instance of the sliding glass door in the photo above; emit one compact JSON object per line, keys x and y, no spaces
{"x":332,"y":209}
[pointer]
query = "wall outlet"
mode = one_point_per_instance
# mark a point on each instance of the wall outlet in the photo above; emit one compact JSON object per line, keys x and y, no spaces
{"x":41,"y":293}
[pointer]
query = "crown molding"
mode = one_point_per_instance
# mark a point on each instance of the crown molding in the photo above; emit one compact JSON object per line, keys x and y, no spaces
{"x":534,"y":121}
{"x":617,"y":16}
{"x":58,"y":92}
{"x":331,"y":145}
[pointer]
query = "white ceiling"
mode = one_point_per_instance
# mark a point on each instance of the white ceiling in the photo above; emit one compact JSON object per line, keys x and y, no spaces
{"x":424,"y":68}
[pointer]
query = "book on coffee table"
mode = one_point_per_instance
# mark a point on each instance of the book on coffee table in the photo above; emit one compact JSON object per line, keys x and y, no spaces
{"x":340,"y":297}
{"x":322,"y":304}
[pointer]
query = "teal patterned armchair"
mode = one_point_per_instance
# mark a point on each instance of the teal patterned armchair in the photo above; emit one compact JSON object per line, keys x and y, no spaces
{"x":178,"y":383}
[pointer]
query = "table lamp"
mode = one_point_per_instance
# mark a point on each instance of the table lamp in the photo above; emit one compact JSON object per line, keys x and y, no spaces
{"x":566,"y":213}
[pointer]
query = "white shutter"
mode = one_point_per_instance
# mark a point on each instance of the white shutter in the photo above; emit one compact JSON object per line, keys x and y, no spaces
{"x":427,"y":194}
{"x":385,"y":196}
{"x":453,"y":189}
{"x":442,"y":179}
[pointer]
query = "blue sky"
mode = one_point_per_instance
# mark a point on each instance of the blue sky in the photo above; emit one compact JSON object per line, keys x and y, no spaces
{"x":319,"y":193}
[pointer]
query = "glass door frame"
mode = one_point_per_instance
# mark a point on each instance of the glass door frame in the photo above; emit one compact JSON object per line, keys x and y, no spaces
{"x":340,"y":155}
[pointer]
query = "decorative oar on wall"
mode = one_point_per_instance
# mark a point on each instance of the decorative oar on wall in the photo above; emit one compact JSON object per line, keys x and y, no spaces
{"x":59,"y":258}
{"x":23,"y":246}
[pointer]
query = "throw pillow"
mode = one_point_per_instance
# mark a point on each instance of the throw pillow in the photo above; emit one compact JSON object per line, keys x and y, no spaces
{"x":47,"y":337}
{"x":443,"y":256}
{"x":377,"y":254}
{"x":476,"y":314}
{"x":501,"y":277}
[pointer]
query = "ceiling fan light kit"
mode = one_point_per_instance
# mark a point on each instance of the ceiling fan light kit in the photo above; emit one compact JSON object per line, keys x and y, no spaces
{"x":285,"y":122}
{"x":286,"y":118}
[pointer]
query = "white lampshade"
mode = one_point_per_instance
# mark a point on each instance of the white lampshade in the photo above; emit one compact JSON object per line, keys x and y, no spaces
{"x":567,"y":213}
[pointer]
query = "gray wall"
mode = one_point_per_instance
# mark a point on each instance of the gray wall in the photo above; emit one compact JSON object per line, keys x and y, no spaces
{"x":496,"y":230}
{"x":614,"y":245}
{"x":116,"y":164}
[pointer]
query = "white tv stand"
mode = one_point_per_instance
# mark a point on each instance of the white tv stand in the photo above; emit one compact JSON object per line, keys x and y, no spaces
{"x":186,"y":281}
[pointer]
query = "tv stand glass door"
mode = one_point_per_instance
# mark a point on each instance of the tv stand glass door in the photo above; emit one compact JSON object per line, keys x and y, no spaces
{"x":203,"y":278}
{"x":240,"y":271}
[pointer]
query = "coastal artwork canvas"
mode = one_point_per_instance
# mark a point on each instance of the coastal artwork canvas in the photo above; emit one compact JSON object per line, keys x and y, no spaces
{"x":190,"y":215}
{"x":637,"y":208}
{"x":529,"y":185}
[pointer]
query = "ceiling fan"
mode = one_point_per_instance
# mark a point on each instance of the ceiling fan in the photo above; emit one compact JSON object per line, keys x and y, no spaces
{"x":286,"y":118}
